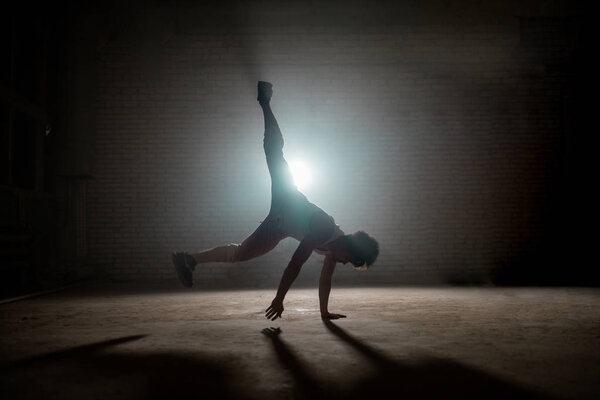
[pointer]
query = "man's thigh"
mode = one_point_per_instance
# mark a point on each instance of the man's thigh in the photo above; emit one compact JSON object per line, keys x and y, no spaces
{"x":261,"y":241}
{"x":281,"y":175}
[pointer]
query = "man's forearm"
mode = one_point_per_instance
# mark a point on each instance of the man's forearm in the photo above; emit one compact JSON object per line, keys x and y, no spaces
{"x":288,"y":277}
{"x":300,"y":256}
{"x":324,"y":290}
{"x":325,"y":284}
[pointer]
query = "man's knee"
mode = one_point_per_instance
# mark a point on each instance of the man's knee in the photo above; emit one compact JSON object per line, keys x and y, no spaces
{"x":233,"y":252}
{"x":273,"y":144}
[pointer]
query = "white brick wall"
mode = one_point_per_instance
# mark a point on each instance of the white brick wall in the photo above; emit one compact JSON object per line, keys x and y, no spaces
{"x":433,"y":137}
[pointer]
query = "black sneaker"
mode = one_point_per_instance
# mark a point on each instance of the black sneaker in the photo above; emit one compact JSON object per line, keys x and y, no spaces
{"x":265,"y":91}
{"x":184,"y":266}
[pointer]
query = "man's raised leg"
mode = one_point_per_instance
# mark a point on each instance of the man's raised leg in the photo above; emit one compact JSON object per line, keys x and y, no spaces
{"x":266,"y":236}
{"x":281,"y":176}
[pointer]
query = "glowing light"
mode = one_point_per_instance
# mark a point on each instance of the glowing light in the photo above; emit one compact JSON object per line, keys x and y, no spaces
{"x":301,"y":173}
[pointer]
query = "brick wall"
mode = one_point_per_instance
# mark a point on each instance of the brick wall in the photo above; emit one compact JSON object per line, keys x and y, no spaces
{"x":442,"y":133}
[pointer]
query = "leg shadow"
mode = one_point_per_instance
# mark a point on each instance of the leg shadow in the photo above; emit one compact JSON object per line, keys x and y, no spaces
{"x":75,"y":352}
{"x":90,"y":371}
{"x":431,"y":379}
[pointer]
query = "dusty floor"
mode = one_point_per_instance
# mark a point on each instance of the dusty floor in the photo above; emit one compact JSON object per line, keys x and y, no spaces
{"x":124,"y":342}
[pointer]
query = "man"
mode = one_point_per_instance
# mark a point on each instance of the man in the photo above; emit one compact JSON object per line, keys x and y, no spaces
{"x":291,"y":215}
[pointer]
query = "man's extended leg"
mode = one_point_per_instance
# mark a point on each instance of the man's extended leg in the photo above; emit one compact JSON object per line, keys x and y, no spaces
{"x":260,"y":242}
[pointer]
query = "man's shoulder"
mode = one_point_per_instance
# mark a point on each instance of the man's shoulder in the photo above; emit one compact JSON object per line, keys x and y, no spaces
{"x":321,"y":226}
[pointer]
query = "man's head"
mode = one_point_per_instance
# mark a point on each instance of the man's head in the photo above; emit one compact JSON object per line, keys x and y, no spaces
{"x":359,"y":248}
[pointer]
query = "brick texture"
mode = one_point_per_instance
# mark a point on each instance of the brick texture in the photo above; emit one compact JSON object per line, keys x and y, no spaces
{"x":442,"y":136}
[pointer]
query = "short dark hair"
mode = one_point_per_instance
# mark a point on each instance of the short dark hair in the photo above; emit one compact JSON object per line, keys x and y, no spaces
{"x":364,"y":247}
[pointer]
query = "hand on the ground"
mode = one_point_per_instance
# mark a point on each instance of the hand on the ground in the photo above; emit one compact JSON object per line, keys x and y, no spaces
{"x":275,"y":309}
{"x":332,"y":316}
{"x":271,"y":332}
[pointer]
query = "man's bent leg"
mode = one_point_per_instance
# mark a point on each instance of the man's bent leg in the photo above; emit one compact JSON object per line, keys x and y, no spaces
{"x":260,"y":242}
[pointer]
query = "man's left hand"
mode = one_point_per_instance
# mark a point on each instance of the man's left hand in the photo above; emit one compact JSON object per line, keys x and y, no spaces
{"x":275,"y":309}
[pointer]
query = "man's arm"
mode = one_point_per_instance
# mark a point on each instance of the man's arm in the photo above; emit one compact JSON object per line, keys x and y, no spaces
{"x":325,"y":288}
{"x":321,"y":228}
{"x":300,"y":256}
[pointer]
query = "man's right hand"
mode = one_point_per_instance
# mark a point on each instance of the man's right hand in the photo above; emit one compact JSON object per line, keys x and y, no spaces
{"x":275,"y":309}
{"x":332,"y":316}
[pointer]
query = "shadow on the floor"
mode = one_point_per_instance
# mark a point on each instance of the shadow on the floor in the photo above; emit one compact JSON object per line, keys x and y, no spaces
{"x":89,"y":372}
{"x":305,"y":385}
{"x":431,"y":379}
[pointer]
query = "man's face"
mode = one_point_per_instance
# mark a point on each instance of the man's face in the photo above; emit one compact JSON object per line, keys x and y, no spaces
{"x":344,"y":256}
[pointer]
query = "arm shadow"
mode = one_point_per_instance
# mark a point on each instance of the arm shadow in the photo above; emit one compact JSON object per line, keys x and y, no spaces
{"x":305,"y":385}
{"x":431,"y":378}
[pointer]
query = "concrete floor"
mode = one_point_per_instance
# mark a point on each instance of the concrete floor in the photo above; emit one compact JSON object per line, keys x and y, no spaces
{"x":152,"y":342}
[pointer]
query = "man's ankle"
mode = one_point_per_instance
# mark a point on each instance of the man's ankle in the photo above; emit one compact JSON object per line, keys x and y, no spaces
{"x":190,"y":260}
{"x":265,"y":92}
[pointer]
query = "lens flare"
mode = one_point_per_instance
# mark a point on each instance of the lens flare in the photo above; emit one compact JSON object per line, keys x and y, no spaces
{"x":301,"y":173}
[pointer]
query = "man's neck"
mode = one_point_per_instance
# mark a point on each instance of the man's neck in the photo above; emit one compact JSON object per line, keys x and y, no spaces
{"x":334,"y":244}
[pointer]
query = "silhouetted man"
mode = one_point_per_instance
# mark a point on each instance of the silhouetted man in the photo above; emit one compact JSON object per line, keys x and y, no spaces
{"x":291,"y":215}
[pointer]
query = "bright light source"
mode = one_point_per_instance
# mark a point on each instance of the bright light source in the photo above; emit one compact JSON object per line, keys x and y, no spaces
{"x":301,"y":173}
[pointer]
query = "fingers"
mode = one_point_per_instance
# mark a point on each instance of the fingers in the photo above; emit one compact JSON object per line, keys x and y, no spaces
{"x":337,"y":316}
{"x":333,"y":316}
{"x":273,"y":314}
{"x":274,"y":311}
{"x":270,"y":311}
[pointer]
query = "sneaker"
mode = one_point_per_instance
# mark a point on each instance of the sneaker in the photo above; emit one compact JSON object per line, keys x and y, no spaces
{"x":184,"y":266}
{"x":265,"y":91}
